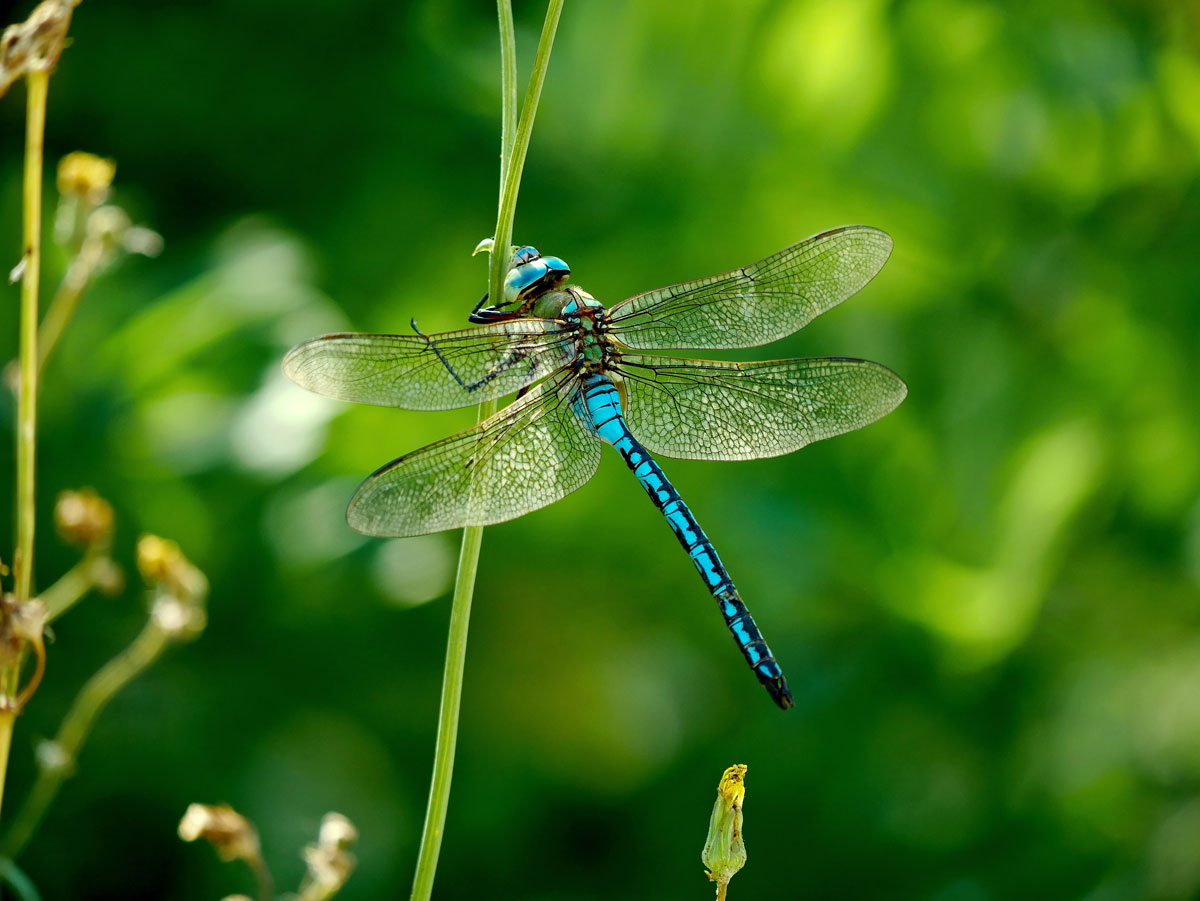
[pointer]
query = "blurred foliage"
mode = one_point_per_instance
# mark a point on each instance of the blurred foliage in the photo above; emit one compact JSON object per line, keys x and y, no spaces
{"x":988,"y":603}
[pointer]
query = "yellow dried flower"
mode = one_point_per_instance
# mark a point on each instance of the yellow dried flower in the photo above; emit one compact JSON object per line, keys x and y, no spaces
{"x":337,"y":832}
{"x":162,"y":564}
{"x":329,"y":861}
{"x":232,"y":836}
{"x":724,"y":851}
{"x":86,"y":176}
{"x":35,"y":44}
{"x":83,"y":517}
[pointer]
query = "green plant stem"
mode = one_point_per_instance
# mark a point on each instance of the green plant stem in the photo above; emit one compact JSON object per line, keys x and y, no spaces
{"x":447,"y":736}
{"x":15,"y":878}
{"x":508,"y":88}
{"x":263,"y":880}
{"x":516,"y":163}
{"x":76,"y":582}
{"x":31,"y":261}
{"x":35,"y":127}
{"x":66,"y":298}
{"x":6,"y":731}
{"x":88,"y":704}
{"x":514,"y":145}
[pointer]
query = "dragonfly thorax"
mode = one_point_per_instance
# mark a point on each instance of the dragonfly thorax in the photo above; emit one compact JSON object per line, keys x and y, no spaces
{"x":594,"y":350}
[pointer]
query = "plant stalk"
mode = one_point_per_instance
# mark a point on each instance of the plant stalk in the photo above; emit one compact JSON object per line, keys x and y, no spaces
{"x":75,"y":583}
{"x":37,"y":83}
{"x":87,"y":706}
{"x":514,"y":144}
{"x":447,"y":735}
{"x":516,"y":163}
{"x":31,"y":261}
{"x":66,"y":299}
{"x":508,"y":89}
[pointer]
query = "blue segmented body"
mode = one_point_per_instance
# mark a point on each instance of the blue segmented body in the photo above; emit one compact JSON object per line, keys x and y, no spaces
{"x":601,"y":411}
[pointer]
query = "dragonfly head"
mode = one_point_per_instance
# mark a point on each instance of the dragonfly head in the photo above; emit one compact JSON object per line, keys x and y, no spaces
{"x":531,"y":273}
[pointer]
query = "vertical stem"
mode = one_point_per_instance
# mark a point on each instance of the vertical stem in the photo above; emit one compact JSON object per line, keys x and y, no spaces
{"x":262,"y":878}
{"x":508,"y":90}
{"x":514,"y":146}
{"x":447,"y":736}
{"x":31,"y":258}
{"x":35,"y":126}
{"x":6,"y":731}
{"x":512,"y":173}
{"x":95,"y":695}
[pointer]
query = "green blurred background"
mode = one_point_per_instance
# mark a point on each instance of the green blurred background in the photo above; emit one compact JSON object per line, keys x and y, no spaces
{"x":988,"y":603}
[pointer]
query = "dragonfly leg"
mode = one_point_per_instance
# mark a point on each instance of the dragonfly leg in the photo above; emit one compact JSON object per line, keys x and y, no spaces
{"x":483,"y":315}
{"x":517,"y":355}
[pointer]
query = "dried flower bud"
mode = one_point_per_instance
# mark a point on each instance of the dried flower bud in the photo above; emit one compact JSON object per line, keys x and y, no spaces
{"x":329,"y":861}
{"x":22,"y":627}
{"x":162,"y":564}
{"x":231,"y":834}
{"x":179,"y":620}
{"x":724,"y":851}
{"x":83,"y":517}
{"x":141,"y":240}
{"x":20,"y":624}
{"x":86,"y":176}
{"x":337,"y":832}
{"x":28,"y":621}
{"x":35,"y":44}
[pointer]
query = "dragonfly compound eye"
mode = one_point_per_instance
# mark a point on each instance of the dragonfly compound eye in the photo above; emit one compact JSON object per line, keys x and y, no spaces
{"x":558,"y":269}
{"x":523,"y":278}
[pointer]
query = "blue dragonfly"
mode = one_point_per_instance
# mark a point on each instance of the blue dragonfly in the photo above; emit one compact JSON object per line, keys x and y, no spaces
{"x":582,"y":377}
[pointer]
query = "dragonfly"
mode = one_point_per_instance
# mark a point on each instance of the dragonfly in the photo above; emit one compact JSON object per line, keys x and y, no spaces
{"x":585,"y":375}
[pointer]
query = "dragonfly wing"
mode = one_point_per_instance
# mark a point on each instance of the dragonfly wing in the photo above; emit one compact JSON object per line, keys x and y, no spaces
{"x":759,"y":303}
{"x":709,"y":410}
{"x":530,"y":454}
{"x":411,"y":371}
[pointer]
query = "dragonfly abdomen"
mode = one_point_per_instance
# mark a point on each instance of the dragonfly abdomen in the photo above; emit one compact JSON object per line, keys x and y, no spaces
{"x":600,"y":407}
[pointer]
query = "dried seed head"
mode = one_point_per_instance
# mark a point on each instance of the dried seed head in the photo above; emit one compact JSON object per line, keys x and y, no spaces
{"x":86,"y":176}
{"x":35,"y":44}
{"x":83,"y":517}
{"x":337,"y":832}
{"x":724,"y":851}
{"x":163,"y":565}
{"x":179,"y":620}
{"x":329,"y":861}
{"x":231,"y":834}
{"x":22,"y":627}
{"x":20,"y":624}
{"x":180,"y":589}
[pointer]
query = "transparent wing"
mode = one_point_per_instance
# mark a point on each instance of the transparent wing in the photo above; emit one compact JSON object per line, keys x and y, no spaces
{"x":530,"y":454}
{"x":708,"y":410}
{"x":756,"y":304}
{"x":411,"y":371}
